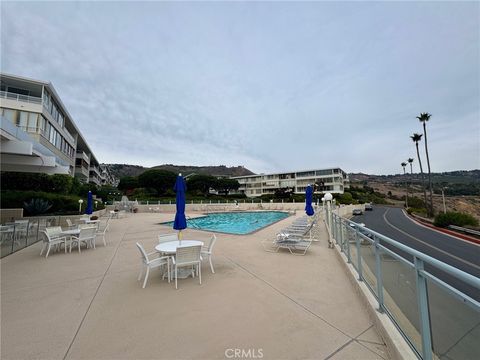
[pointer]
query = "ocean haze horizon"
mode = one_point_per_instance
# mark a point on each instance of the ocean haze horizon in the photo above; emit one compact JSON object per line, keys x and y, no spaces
{"x":272,"y":86}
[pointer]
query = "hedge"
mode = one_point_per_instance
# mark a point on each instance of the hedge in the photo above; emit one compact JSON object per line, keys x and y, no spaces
{"x":454,"y":218}
{"x":61,"y":204}
{"x":58,"y":183}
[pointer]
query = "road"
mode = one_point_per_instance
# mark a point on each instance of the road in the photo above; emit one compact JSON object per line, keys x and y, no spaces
{"x":459,"y":253}
{"x":455,"y":327}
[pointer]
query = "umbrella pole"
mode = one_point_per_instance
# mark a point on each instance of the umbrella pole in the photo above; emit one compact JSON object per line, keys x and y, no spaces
{"x":180,"y":236}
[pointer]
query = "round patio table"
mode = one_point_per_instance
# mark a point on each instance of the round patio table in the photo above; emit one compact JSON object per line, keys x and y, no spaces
{"x":170,"y":248}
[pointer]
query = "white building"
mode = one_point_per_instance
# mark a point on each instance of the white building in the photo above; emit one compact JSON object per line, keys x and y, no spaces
{"x":334,"y":180}
{"x":37,"y":134}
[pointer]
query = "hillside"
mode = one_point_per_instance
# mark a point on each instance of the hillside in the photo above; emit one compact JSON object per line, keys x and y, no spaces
{"x":121,"y":170}
{"x":461,"y":188}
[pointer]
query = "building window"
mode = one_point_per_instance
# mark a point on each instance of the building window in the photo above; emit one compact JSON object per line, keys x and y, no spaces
{"x":32,"y":121}
{"x":11,"y":115}
{"x":306,"y":173}
{"x":23,"y":120}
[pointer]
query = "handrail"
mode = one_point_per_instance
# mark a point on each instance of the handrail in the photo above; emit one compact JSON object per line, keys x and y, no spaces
{"x":341,"y":226}
{"x":459,"y":274}
{"x":19,"y":97}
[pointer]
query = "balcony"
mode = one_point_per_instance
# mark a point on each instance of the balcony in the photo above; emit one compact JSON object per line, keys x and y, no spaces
{"x":19,"y":97}
{"x":69,"y":136}
{"x":83,"y":156}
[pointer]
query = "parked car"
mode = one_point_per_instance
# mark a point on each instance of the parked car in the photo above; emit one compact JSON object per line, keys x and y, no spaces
{"x":357,"y":212}
{"x":368,"y":207}
{"x":363,"y":232}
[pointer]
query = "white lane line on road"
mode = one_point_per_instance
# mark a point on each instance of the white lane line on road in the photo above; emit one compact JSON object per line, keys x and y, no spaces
{"x":429,"y":245}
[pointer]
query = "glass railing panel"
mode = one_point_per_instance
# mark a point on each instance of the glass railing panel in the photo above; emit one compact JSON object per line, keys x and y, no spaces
{"x":455,"y":326}
{"x":368,"y":266}
{"x":400,"y":297}
{"x":350,"y":238}
{"x":33,"y":235}
{"x":6,"y":239}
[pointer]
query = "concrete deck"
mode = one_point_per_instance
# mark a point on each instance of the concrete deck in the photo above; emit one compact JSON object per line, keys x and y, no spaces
{"x":270,"y":305}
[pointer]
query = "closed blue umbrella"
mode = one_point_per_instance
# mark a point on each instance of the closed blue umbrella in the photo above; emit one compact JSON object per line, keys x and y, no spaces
{"x":180,"y":221}
{"x":308,"y":201}
{"x":89,"y":209}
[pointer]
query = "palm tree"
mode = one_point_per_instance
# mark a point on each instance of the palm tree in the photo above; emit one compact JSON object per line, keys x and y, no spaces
{"x":410,"y":161}
{"x":423,"y":118}
{"x":416,"y":138}
{"x":406,"y":184}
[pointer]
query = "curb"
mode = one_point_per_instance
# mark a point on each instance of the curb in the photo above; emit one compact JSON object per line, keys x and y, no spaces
{"x":442,"y":230}
{"x":397,"y":346}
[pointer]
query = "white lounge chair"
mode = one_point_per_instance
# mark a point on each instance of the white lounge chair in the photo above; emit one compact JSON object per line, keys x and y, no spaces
{"x":152,"y":264}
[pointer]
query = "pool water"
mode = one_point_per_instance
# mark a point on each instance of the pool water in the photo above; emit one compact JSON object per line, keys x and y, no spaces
{"x":239,"y":223}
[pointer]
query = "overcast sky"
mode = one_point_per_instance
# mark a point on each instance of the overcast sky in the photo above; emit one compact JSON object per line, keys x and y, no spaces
{"x":271,"y":86}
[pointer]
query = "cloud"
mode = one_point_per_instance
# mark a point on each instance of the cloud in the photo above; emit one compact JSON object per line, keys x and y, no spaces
{"x":271,"y":86}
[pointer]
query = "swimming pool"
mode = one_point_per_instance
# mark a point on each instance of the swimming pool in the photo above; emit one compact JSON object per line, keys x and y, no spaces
{"x":238,"y":223}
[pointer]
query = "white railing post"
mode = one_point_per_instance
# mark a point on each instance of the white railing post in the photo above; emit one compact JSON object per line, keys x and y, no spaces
{"x":422,"y":302}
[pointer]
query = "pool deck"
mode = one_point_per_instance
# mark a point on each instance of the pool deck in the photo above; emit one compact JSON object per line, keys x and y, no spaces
{"x":91,"y":306}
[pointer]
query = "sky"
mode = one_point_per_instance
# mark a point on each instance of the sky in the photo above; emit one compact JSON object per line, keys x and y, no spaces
{"x":272,"y":86}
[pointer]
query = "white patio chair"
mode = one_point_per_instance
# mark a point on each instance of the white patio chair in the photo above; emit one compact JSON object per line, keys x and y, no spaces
{"x":7,"y":233}
{"x":21,"y":229}
{"x":54,"y":231}
{"x":70,"y":224}
{"x":49,"y":241}
{"x":101,"y":231}
{"x":188,"y":256}
{"x":151,"y":264}
{"x":207,"y":250}
{"x":167,"y":237}
{"x":87,"y":236}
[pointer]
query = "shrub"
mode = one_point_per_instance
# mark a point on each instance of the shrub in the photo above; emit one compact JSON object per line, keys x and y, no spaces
{"x":454,"y":218}
{"x":37,"y":206}
{"x":418,"y":211}
{"x":57,"y":183}
{"x":60,"y":203}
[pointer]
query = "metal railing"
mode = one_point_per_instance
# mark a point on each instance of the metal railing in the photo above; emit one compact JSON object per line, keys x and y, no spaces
{"x":435,"y":317}
{"x":20,"y":97}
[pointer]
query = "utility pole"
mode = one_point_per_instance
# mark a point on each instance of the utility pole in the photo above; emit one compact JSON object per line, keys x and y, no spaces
{"x":443,"y":199}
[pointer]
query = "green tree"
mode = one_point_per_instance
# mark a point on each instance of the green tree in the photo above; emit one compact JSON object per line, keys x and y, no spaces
{"x":160,"y":180}
{"x":224,"y":185}
{"x":128,"y":183}
{"x":423,"y":118}
{"x":201,"y":183}
{"x":60,"y":183}
{"x":416,"y":138}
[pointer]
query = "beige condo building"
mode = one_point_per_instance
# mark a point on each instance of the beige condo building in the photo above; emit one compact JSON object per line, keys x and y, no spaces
{"x":334,"y":180}
{"x":37,"y":134}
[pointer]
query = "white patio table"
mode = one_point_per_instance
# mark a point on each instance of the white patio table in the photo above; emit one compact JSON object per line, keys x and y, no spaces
{"x":71,"y":232}
{"x":170,"y":248}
